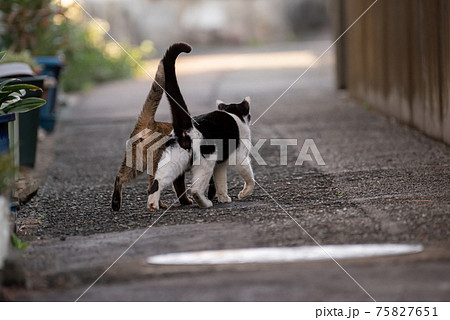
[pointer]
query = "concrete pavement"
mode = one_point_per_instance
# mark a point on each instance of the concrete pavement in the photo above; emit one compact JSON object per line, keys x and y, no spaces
{"x":382,"y":183}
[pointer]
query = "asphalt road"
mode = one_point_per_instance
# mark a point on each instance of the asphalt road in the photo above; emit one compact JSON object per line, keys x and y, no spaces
{"x":382,"y":183}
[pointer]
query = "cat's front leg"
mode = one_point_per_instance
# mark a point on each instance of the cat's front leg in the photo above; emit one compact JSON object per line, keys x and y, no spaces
{"x":180,"y":189}
{"x":223,"y":198}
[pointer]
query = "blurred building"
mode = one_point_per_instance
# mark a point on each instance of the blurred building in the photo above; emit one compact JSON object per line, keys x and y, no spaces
{"x":211,"y":21}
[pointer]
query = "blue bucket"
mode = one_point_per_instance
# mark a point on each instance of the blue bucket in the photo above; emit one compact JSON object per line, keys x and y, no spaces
{"x":4,"y":134}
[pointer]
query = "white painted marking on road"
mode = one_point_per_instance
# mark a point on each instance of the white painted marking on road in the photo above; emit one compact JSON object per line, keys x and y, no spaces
{"x":284,"y":254}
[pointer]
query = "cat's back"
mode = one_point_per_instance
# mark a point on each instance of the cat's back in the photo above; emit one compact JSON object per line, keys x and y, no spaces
{"x":217,"y":125}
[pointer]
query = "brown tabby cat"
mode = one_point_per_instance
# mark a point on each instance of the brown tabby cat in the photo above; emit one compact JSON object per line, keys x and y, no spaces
{"x":146,"y":120}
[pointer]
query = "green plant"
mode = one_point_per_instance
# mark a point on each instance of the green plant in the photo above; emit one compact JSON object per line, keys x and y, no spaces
{"x":6,"y":173}
{"x":29,"y":25}
{"x":11,"y":97}
{"x":11,"y":100}
{"x":91,"y":58}
{"x":88,"y":63}
{"x":44,"y":27}
{"x":18,"y":244}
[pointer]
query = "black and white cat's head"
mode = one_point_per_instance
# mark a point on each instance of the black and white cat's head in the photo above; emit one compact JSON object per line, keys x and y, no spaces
{"x":242,"y":110}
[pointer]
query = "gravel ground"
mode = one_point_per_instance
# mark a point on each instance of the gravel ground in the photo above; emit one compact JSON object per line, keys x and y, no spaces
{"x":407,"y":192}
{"x":382,"y":183}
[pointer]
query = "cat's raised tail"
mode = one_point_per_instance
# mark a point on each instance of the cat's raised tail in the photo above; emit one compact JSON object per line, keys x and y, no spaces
{"x":181,"y":119}
{"x":147,"y":117}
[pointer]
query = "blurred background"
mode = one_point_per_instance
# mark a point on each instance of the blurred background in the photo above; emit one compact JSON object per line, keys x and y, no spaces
{"x":396,"y":59}
{"x":145,"y":28}
{"x":382,"y":183}
{"x":214,"y":22}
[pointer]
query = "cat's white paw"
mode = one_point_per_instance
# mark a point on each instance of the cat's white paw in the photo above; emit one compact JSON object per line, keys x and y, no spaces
{"x":207,"y":204}
{"x":152,"y":203}
{"x":223,"y":198}
{"x":248,"y":190}
{"x":202,"y":201}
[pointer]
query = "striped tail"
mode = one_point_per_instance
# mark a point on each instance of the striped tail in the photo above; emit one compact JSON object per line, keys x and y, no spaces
{"x":155,"y":94}
{"x":147,"y":117}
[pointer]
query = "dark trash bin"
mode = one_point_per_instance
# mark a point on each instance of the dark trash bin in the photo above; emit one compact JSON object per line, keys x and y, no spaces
{"x":51,"y":67}
{"x":28,"y":125}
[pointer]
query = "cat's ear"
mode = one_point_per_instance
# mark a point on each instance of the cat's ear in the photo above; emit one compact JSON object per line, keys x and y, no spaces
{"x":220,"y":104}
{"x":245,"y":106}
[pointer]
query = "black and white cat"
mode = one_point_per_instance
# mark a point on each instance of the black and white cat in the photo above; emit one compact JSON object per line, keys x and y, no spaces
{"x":205,"y":144}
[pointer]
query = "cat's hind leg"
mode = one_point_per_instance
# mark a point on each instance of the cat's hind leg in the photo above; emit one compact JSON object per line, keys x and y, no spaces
{"x":155,"y":157}
{"x":124,"y":175}
{"x":201,"y":175}
{"x":174,"y":162}
{"x":246,"y":171}
{"x":162,"y":205}
{"x":220,"y":179}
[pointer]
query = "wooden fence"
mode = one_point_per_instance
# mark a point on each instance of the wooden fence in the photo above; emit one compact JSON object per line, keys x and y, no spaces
{"x":397,"y":58}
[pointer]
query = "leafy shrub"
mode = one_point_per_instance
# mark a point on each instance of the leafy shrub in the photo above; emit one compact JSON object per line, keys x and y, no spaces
{"x":17,"y":243}
{"x":42,"y":27}
{"x":29,"y":25}
{"x":92,"y":59}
